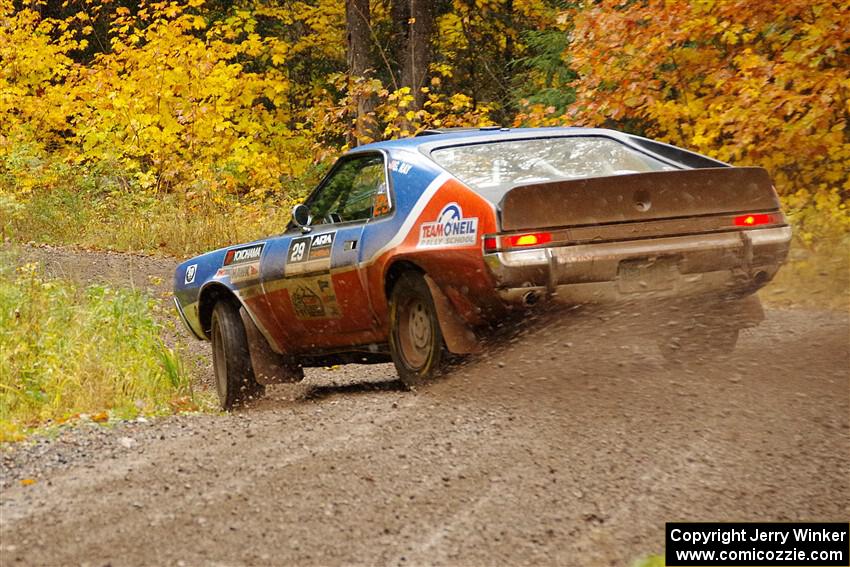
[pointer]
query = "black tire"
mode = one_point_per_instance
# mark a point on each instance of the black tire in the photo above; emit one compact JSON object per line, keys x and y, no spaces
{"x":234,"y":376}
{"x":416,"y":341}
{"x":699,"y":345}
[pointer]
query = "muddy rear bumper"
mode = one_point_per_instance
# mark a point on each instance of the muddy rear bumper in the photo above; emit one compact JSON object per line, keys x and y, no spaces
{"x":725,"y":262}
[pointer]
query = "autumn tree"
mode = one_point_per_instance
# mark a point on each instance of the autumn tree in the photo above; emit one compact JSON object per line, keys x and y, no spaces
{"x":358,"y":25}
{"x":416,"y":20}
{"x":761,"y":83}
{"x":243,"y":99}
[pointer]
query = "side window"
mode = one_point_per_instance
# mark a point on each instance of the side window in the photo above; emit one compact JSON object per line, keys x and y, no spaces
{"x":352,"y":192}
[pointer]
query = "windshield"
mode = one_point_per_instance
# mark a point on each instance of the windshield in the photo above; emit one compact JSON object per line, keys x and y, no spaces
{"x":493,"y":168}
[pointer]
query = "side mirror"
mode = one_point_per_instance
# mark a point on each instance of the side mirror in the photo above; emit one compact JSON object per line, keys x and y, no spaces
{"x":301,"y":217}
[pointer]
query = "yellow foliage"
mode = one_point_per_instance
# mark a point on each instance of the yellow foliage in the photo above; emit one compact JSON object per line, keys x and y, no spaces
{"x":171,"y":107}
{"x":216,"y":107}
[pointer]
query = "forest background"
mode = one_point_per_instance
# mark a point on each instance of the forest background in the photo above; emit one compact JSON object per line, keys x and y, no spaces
{"x":176,"y":127}
{"x":181,"y":126}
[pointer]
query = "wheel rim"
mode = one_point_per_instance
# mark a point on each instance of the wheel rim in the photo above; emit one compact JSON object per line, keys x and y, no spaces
{"x":219,"y":364}
{"x":416,"y":333}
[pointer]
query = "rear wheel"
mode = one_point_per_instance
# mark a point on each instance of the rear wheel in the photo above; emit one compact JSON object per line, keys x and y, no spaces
{"x":234,"y":376}
{"x":416,"y":342}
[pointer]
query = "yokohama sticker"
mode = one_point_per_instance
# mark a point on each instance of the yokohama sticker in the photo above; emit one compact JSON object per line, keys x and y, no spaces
{"x":244,"y":255}
{"x":450,"y":229}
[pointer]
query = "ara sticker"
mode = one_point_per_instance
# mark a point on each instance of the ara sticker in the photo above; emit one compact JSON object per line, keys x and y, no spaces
{"x":190,"y":274}
{"x":320,"y":246}
{"x":450,"y":229}
{"x":244,"y":254}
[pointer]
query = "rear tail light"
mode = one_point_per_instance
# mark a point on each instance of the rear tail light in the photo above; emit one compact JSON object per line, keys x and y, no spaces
{"x":533,"y":239}
{"x":492,"y":243}
{"x":753,"y":220}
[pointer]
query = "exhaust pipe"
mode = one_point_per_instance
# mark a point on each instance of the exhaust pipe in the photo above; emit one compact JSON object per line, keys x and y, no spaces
{"x":530,"y":298}
{"x":760,"y":278}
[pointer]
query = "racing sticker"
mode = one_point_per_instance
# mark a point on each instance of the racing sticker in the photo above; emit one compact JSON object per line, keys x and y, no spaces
{"x":450,"y":229}
{"x":299,"y":249}
{"x":190,"y":274}
{"x":240,"y":272}
{"x":320,"y":246}
{"x":242,"y":264}
{"x":314,"y":298}
{"x":400,"y":166}
{"x":244,"y":254}
{"x":310,"y":253}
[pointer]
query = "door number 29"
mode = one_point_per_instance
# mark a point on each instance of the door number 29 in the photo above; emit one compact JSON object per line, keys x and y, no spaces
{"x":298,"y":250}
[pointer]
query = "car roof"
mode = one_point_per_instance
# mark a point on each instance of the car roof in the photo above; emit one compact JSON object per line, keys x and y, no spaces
{"x":431,"y":139}
{"x":437,"y":137}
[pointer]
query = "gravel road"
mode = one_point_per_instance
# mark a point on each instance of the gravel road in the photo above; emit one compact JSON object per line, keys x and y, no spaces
{"x":571,"y":444}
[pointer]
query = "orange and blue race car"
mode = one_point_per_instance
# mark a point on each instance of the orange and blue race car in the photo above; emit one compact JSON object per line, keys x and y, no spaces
{"x":412,"y":249}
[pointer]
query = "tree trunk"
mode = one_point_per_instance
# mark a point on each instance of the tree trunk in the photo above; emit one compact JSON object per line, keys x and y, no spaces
{"x":357,"y":23}
{"x":417,"y":55}
{"x":400,"y":15}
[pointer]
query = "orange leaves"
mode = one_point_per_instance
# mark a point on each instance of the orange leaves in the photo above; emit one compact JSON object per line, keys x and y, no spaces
{"x":753,"y":83}
{"x":183,"y":404}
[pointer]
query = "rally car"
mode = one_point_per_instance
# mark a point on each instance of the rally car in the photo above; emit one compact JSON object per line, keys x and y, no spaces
{"x":412,"y":249}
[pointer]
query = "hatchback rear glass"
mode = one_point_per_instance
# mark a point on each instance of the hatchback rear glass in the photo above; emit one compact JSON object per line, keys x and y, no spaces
{"x":494,"y":167}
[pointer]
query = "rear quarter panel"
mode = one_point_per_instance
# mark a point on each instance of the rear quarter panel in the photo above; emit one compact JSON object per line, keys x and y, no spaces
{"x":430,"y":201}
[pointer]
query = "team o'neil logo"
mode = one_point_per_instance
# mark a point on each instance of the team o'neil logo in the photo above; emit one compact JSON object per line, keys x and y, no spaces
{"x":450,"y":229}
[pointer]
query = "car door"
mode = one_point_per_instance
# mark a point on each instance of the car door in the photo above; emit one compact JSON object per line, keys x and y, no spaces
{"x":327,"y":301}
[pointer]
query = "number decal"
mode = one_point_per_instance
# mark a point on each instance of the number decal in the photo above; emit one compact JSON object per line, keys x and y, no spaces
{"x":298,"y":252}
{"x":309,"y":254}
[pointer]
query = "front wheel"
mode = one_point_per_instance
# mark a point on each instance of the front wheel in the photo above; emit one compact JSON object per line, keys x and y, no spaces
{"x":234,"y":375}
{"x":416,"y":341}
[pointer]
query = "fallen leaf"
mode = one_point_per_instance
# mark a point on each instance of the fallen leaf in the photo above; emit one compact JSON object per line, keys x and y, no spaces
{"x":100,"y":417}
{"x":182,"y":404}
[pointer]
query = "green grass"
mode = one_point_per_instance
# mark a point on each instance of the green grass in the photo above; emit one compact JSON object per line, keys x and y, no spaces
{"x":649,"y":561}
{"x":167,"y":224}
{"x":67,"y":350}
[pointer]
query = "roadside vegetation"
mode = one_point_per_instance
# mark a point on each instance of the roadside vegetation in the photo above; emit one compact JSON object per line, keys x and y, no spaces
{"x":650,"y":561}
{"x":67,"y":351}
{"x":166,"y":224}
{"x":817,"y":278}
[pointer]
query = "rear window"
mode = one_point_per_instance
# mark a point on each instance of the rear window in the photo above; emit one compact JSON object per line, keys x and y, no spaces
{"x":493,"y":168}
